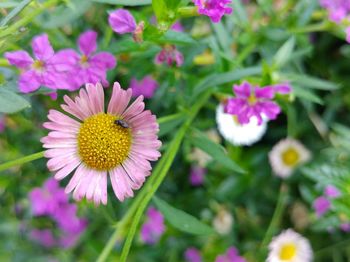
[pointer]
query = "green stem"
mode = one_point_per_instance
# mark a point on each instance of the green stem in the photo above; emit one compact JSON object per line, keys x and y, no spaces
{"x":28,"y":18}
{"x":138,"y":206}
{"x":188,"y":11}
{"x":311,"y":28}
{"x":277,"y":215}
{"x":320,"y":253}
{"x":21,"y":161}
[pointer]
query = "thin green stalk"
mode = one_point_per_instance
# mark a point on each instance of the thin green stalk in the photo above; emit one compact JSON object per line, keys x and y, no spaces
{"x":188,"y":11}
{"x":28,"y":18}
{"x":310,"y":28}
{"x":140,"y":203}
{"x":21,"y":161}
{"x":277,"y":215}
{"x":320,"y":253}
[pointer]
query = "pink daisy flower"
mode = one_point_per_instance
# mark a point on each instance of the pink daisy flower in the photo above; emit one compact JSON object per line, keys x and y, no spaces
{"x":120,"y":143}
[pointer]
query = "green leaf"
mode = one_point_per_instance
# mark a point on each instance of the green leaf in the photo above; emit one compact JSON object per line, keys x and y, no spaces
{"x":169,"y":123}
{"x":219,"y":79}
{"x":216,"y":151}
{"x":311,"y":82}
{"x":284,"y":53}
{"x":306,"y":94}
{"x":125,"y":2}
{"x":181,"y":220}
{"x":160,"y":9}
{"x":14,"y":12}
{"x":11,"y":102}
{"x":177,"y":38}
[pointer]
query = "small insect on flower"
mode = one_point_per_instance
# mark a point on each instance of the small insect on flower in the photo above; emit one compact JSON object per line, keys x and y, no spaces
{"x":121,"y":123}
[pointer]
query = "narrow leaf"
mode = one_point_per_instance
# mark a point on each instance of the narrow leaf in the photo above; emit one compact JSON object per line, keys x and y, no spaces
{"x":11,"y":102}
{"x":285,"y":52}
{"x":125,"y":2}
{"x":14,"y":12}
{"x":182,"y":220}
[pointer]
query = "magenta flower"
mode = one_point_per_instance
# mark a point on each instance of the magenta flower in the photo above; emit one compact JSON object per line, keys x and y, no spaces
{"x":331,"y":191}
{"x":252,"y":101}
{"x":345,"y":227}
{"x":122,"y":21}
{"x":177,"y":26}
{"x":214,"y":9}
{"x":347,"y":32}
{"x":39,"y":71}
{"x":192,"y":255}
{"x":145,"y":86}
{"x":321,"y":205}
{"x":46,"y":200}
{"x":153,"y":228}
{"x":197,"y":175}
{"x":2,"y":123}
{"x":87,"y":67}
{"x":337,"y":9}
{"x":44,"y":237}
{"x":170,"y":55}
{"x":230,"y":256}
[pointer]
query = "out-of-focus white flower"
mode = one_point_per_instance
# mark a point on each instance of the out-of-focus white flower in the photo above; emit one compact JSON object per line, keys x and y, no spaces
{"x":223,"y":222}
{"x":289,"y":246}
{"x":236,"y":133}
{"x":286,"y":155}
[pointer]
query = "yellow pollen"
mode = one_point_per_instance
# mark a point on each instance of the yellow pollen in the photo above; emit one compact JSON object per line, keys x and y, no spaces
{"x":102,"y":143}
{"x":290,"y":157}
{"x":235,"y":119}
{"x":252,"y":99}
{"x":288,"y":252}
{"x":38,"y":65}
{"x":84,"y":60}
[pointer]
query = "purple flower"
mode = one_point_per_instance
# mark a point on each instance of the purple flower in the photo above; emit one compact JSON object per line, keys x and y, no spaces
{"x":321,"y":205}
{"x":215,"y":9}
{"x":345,"y":227}
{"x":46,"y":200}
{"x":177,"y":26}
{"x":337,"y":9}
{"x":197,"y":175}
{"x":39,"y":71}
{"x":2,"y":123}
{"x":230,"y":256}
{"x":170,"y":55}
{"x":252,"y":101}
{"x":87,"y":67}
{"x":192,"y":255}
{"x":145,"y":87}
{"x":347,"y":32}
{"x":153,"y":228}
{"x":122,"y":21}
{"x":44,"y":237}
{"x":69,"y":238}
{"x":331,"y":191}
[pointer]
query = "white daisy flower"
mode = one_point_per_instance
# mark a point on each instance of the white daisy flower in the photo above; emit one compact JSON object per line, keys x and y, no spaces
{"x":223,"y":222}
{"x":286,"y":155}
{"x":236,"y":133}
{"x":289,"y":246}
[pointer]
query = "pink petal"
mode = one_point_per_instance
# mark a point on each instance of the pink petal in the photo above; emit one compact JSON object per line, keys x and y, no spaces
{"x":96,"y":97}
{"x":119,"y":100}
{"x":57,"y":163}
{"x":28,"y":82}
{"x":42,"y":48}
{"x":243,"y":90}
{"x":87,"y":42}
{"x":134,"y":109}
{"x":104,"y":60}
{"x":66,"y":170}
{"x":62,"y":119}
{"x":75,"y":180}
{"x":122,"y":21}
{"x":65,"y":60}
{"x":120,"y":184}
{"x":265,"y":92}
{"x":21,"y":59}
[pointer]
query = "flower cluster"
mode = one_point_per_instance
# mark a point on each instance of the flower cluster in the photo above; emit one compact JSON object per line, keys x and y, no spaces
{"x":322,"y":204}
{"x":66,"y":69}
{"x":214,"y":9}
{"x":51,"y":201}
{"x":169,"y":55}
{"x":253,"y":101}
{"x":153,"y":228}
{"x":146,"y":86}
{"x":338,"y":12}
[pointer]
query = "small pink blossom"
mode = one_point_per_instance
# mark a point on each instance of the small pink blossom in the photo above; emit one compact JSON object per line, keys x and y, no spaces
{"x":153,"y":228}
{"x":46,"y":200}
{"x":122,"y":21}
{"x":345,"y":227}
{"x":170,"y":55}
{"x":347,"y":32}
{"x":177,"y":26}
{"x":44,"y":237}
{"x":252,"y":101}
{"x":197,"y":175}
{"x":331,"y":191}
{"x":214,"y":9}
{"x":146,"y":86}
{"x":321,"y":205}
{"x":193,"y":255}
{"x":88,"y":66}
{"x":230,"y":256}
{"x":39,"y":71}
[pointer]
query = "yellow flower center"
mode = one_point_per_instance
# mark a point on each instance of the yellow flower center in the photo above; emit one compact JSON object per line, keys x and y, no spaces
{"x":252,"y":99}
{"x":290,"y":157}
{"x":84,"y":60}
{"x":235,"y":120}
{"x":103,"y":143}
{"x":38,"y":65}
{"x":288,"y":252}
